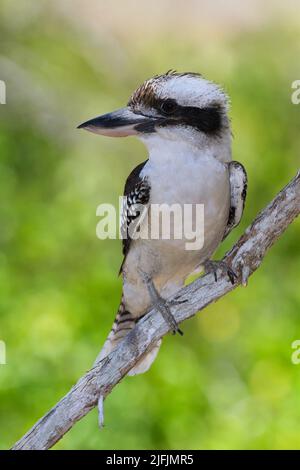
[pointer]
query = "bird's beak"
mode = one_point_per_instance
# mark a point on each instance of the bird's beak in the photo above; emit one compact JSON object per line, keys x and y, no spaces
{"x":120,"y":123}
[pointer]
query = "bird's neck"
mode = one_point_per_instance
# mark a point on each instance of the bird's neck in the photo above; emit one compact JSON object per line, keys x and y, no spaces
{"x":166,"y":150}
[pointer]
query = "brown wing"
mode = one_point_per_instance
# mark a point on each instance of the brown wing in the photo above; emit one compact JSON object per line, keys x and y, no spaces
{"x":136,"y":192}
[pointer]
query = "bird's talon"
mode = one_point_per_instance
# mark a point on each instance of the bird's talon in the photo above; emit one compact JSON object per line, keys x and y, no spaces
{"x":231,"y":276}
{"x":213,"y":266}
{"x":162,"y":305}
{"x":174,"y":302}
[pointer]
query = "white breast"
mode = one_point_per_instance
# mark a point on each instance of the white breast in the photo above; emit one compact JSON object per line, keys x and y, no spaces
{"x":187,"y":176}
{"x":184,"y":175}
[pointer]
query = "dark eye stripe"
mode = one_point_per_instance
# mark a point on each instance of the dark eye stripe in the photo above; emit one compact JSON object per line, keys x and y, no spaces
{"x":207,"y":120}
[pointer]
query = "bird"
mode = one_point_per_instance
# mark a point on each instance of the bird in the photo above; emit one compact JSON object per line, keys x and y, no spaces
{"x":182,"y":119}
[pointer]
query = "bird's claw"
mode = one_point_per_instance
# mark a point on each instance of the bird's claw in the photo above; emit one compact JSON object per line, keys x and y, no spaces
{"x":214,"y":266}
{"x":165,"y":311}
{"x":160,"y":304}
{"x":175,"y":302}
{"x":164,"y":308}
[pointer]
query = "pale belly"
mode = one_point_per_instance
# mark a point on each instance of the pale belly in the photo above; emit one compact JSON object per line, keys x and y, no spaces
{"x":170,"y":261}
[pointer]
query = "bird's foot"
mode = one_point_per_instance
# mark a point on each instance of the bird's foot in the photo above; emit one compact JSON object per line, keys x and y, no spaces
{"x":164,"y":308}
{"x":213,"y":267}
{"x":162,"y":305}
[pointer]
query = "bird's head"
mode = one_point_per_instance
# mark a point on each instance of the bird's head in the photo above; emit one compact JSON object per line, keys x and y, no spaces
{"x":174,"y":106}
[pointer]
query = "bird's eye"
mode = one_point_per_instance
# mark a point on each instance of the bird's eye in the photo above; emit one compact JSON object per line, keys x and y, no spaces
{"x":168,"y":106}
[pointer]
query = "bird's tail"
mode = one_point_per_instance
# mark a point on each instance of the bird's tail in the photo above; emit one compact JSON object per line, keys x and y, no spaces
{"x":124,"y":322}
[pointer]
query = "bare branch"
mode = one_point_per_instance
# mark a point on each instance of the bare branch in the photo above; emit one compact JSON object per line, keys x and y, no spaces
{"x":245,"y":257}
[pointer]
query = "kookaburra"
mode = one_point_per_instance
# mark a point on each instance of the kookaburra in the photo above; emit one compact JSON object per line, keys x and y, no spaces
{"x":183,"y":121}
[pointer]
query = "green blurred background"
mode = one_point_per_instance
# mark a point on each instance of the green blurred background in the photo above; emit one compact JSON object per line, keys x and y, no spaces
{"x":229,"y":383}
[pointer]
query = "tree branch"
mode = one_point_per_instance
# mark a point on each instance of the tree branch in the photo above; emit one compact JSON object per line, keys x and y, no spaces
{"x":245,"y":257}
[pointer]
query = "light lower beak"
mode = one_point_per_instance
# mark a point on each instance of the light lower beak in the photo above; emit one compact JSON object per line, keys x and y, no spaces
{"x":120,"y":123}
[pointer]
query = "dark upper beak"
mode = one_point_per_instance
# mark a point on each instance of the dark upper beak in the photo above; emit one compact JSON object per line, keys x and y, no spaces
{"x":120,"y":123}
